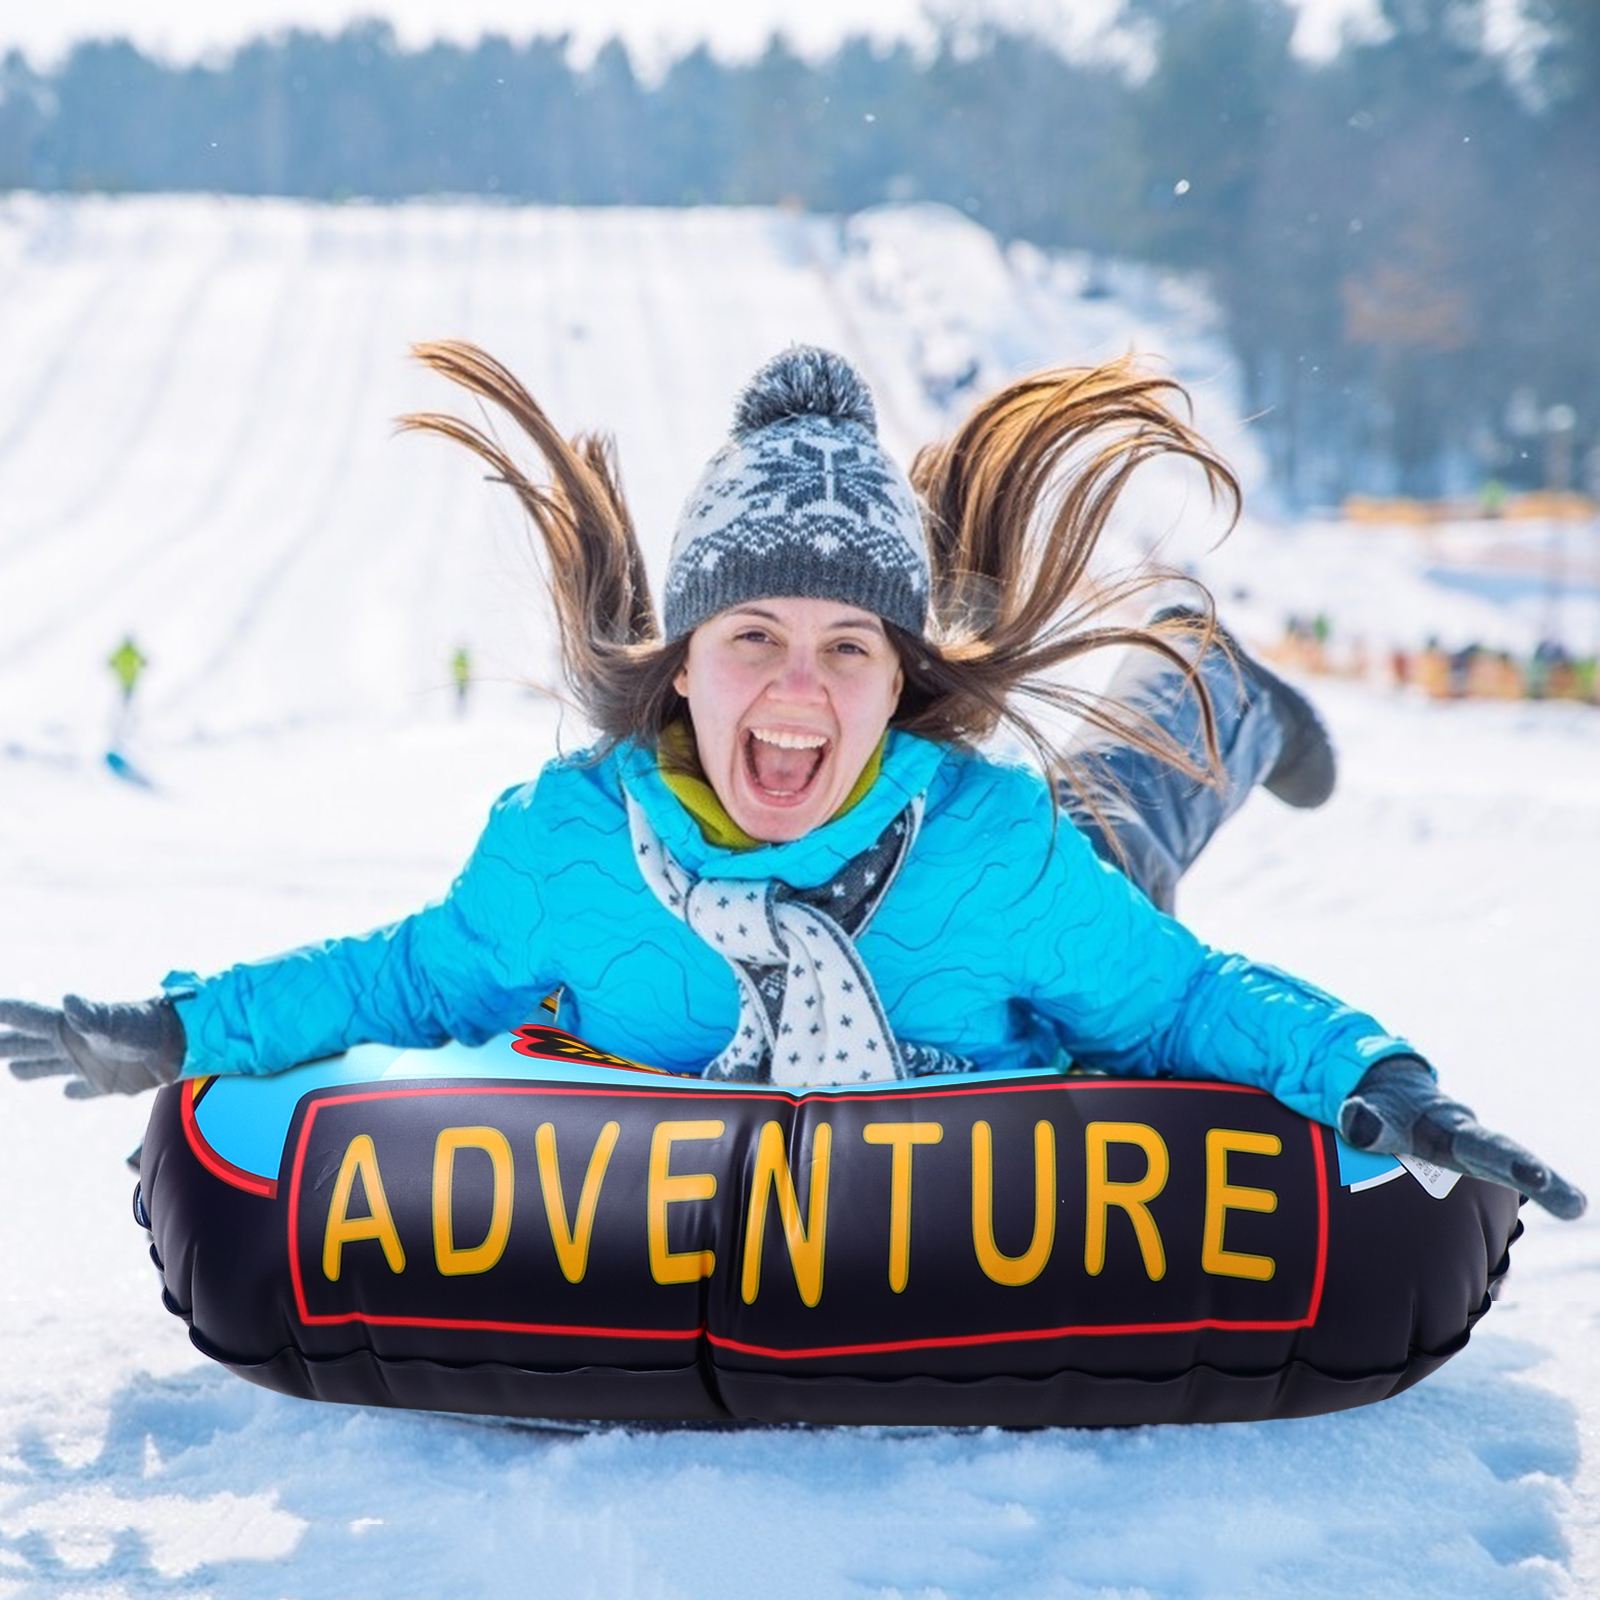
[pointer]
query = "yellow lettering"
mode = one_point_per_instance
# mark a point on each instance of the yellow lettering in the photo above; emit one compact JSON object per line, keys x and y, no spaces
{"x":1014,"y":1271}
{"x":1222,"y":1197}
{"x":1134,"y":1198}
{"x":360,"y":1160}
{"x":665,"y":1189}
{"x":901,"y":1138}
{"x":806,"y":1244}
{"x":572,"y":1243}
{"x":454,"y":1261}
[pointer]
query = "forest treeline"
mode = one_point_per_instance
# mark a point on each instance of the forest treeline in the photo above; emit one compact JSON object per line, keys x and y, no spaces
{"x":1403,"y":239}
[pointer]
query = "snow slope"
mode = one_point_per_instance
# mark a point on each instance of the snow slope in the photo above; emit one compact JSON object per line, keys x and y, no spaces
{"x":194,"y":444}
{"x":195,"y":419}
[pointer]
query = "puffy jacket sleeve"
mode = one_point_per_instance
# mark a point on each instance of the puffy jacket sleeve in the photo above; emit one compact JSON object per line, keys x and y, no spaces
{"x":465,"y":967}
{"x":1131,"y":990}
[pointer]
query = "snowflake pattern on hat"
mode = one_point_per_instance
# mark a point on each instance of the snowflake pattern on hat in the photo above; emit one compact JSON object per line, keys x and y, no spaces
{"x":804,"y":505}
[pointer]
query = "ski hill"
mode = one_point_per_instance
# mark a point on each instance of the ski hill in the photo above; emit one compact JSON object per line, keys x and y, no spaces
{"x":196,"y":437}
{"x":197,"y":449}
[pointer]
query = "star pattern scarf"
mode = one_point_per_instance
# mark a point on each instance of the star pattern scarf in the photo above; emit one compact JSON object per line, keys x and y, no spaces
{"x":809,"y":1012}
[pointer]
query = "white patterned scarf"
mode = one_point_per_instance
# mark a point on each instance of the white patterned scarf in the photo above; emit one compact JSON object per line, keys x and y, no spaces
{"x":809,"y":1012}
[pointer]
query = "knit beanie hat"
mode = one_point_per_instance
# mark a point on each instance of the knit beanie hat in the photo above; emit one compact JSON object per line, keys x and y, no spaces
{"x":803,"y":502}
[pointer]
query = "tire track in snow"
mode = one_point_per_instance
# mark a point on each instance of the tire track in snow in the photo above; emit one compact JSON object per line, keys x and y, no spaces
{"x":678,"y":339}
{"x":114,"y":460}
{"x":448,"y":515}
{"x":374,"y":648}
{"x":255,"y":598}
{"x":89,"y":313}
{"x":169,"y":544}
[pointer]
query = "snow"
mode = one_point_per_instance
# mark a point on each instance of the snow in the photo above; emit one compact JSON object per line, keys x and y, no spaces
{"x":195,"y":444}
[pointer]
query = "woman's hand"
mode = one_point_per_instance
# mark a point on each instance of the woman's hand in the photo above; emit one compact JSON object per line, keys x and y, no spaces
{"x":1398,"y":1109}
{"x":100,"y":1049}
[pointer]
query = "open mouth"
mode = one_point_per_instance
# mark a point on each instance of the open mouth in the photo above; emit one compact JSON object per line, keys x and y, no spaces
{"x":782,"y":767}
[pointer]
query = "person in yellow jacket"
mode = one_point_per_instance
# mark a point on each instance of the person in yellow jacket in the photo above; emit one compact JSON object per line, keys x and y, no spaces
{"x":127,"y":663}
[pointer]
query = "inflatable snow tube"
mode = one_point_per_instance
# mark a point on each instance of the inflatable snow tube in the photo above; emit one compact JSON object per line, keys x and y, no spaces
{"x":534,"y":1228}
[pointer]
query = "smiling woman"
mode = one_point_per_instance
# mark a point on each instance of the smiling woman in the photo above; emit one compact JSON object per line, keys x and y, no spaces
{"x":786,"y":860}
{"x":977,"y":595}
{"x":790,"y":699}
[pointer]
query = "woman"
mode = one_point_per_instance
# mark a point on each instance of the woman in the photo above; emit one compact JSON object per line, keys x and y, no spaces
{"x":786,"y":860}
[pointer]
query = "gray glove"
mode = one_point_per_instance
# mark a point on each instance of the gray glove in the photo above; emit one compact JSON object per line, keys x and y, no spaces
{"x":121,"y":1048}
{"x":1397,"y":1108}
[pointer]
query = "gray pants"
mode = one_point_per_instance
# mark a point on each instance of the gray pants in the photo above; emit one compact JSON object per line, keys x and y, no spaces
{"x":1161,"y":819}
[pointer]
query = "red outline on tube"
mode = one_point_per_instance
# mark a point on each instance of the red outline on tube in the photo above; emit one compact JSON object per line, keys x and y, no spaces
{"x":1090,"y":1330}
{"x":218,"y":1166}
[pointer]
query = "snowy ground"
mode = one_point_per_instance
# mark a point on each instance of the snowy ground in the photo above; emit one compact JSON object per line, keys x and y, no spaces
{"x":193,"y":444}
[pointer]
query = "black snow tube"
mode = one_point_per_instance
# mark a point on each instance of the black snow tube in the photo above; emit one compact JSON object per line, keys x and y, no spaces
{"x":537,"y":1229}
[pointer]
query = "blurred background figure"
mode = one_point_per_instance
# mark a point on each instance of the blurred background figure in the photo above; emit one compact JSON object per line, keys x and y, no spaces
{"x":461,"y":677}
{"x":127,"y":663}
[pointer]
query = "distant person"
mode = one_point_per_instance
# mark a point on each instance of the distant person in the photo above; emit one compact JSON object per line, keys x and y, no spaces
{"x":1360,"y":663}
{"x":1460,"y":671}
{"x":127,"y":663}
{"x":1546,"y":670}
{"x":1508,"y":679}
{"x":461,"y":676}
{"x":1588,"y":674}
{"x":1433,"y":670}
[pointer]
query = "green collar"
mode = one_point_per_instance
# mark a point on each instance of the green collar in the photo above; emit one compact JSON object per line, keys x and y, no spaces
{"x":700,"y":800}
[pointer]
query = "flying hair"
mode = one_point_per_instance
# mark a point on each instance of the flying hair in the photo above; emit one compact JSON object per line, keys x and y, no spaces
{"x":1014,"y":505}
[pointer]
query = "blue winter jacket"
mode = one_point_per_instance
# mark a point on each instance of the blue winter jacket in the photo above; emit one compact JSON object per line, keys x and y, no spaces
{"x":1003,"y":939}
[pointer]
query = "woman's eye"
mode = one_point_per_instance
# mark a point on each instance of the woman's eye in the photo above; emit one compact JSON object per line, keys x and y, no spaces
{"x":749,"y":633}
{"x":852,"y":647}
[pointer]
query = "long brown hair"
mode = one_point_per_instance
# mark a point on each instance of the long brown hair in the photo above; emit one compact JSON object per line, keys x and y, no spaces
{"x":1012,"y":526}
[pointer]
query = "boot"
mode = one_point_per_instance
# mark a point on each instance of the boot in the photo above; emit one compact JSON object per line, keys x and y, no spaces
{"x":1305,"y":770}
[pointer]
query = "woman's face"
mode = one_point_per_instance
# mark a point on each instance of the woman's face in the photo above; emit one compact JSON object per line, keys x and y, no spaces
{"x":789,"y":698}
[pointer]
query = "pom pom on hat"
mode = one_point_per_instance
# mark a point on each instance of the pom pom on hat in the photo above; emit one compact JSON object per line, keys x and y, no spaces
{"x":804,"y":381}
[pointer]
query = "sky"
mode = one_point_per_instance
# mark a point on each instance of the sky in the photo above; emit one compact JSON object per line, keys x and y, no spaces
{"x":185,"y":28}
